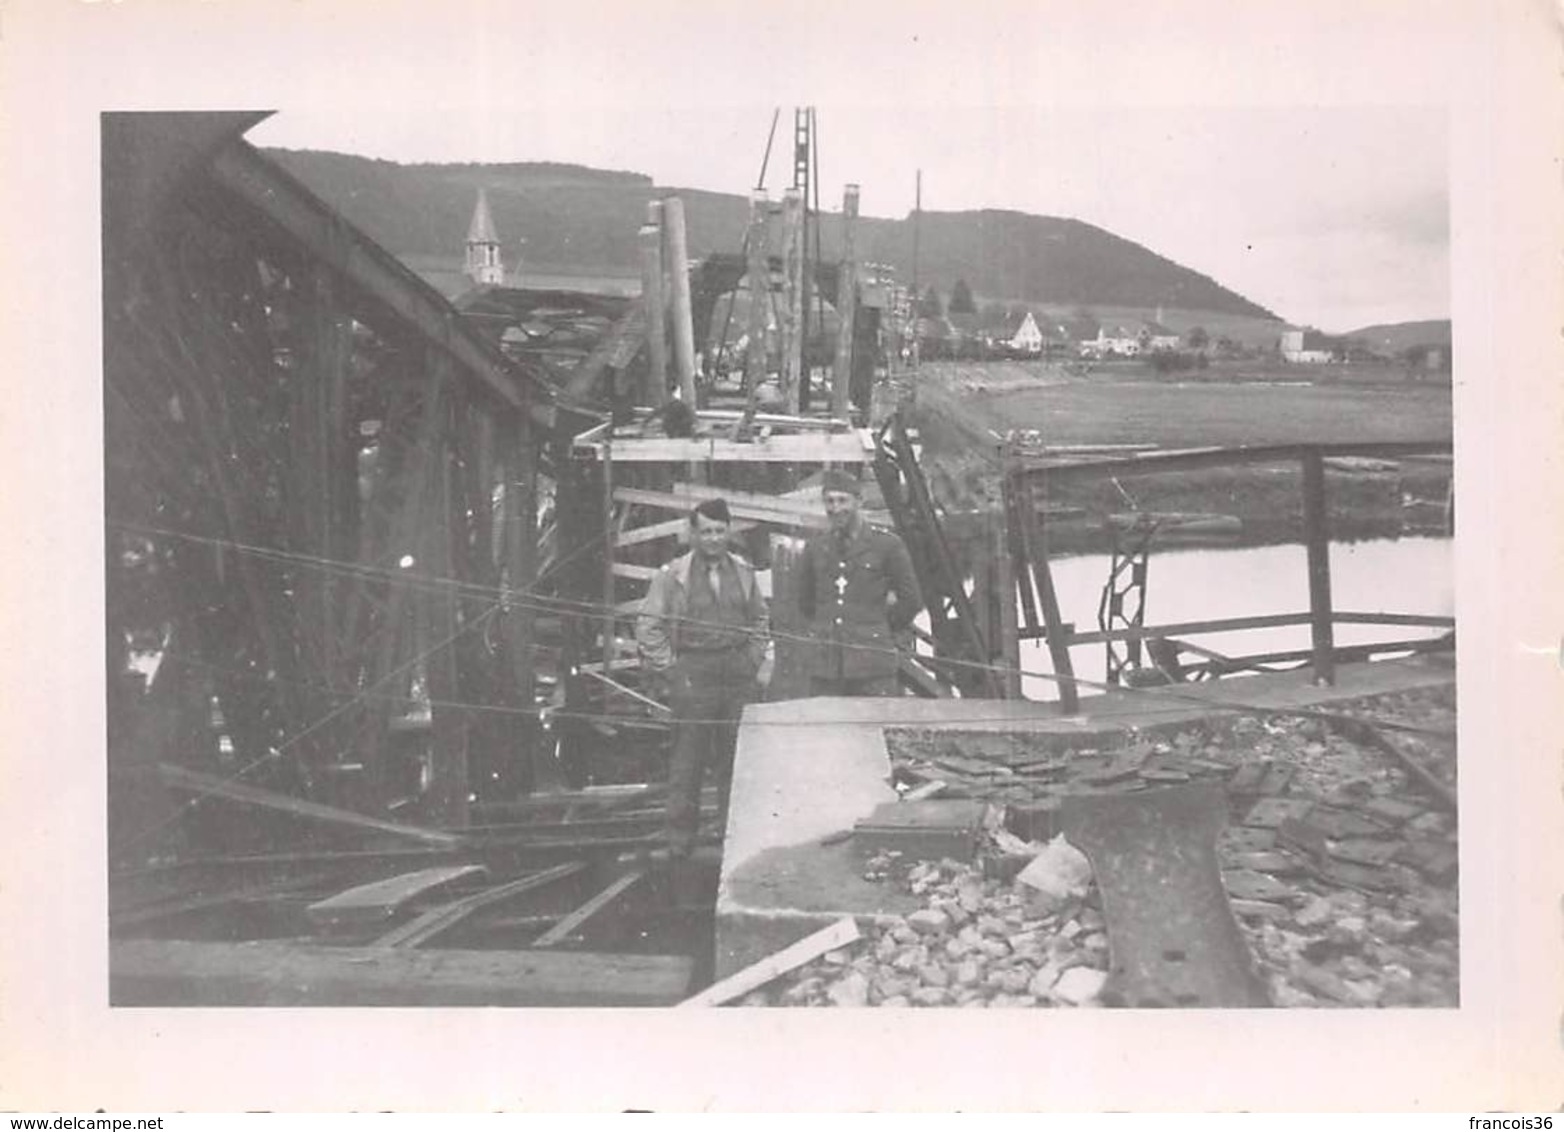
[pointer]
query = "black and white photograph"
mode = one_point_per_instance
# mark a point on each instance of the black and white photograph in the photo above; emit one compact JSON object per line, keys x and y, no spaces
{"x":760,"y":519}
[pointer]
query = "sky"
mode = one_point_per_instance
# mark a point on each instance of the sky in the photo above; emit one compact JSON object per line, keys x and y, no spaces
{"x":1296,"y":153}
{"x":1335,"y":217}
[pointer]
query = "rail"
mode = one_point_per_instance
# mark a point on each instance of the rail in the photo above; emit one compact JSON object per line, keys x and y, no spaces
{"x":1026,"y":530}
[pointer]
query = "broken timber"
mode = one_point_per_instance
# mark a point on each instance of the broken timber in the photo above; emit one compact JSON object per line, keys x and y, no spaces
{"x":210,"y":785}
{"x":380,"y":900}
{"x":572,"y":923}
{"x":439,"y":920}
{"x":757,"y":975}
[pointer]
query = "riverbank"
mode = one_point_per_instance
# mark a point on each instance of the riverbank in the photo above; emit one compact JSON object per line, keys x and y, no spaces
{"x":961,"y":434}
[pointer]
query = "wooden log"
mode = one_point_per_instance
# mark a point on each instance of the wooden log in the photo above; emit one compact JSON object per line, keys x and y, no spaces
{"x":846,"y":307}
{"x":439,"y":920}
{"x":572,"y":923}
{"x":283,"y":973}
{"x":757,"y":975}
{"x":792,"y":320}
{"x":656,"y":391}
{"x":677,"y":255}
{"x":368,"y":904}
{"x":207,"y":785}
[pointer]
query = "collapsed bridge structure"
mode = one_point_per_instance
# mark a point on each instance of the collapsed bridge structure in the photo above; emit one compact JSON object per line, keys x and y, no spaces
{"x":371,"y":560}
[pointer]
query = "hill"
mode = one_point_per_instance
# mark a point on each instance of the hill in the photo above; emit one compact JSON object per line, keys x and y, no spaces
{"x":1394,"y":337}
{"x":560,"y":215}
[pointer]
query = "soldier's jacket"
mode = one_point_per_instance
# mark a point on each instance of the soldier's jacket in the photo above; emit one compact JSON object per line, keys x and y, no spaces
{"x":854,"y":623}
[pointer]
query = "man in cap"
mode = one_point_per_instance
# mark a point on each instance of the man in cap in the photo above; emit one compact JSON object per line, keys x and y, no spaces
{"x":704,"y":637}
{"x":856,"y":589}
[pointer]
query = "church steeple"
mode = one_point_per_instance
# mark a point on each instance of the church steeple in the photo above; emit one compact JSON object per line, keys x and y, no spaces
{"x":484,"y":265}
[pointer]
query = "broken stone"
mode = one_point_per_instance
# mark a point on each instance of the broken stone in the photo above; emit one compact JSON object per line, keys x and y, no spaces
{"x":1315,"y":912}
{"x":1097,"y":941}
{"x":930,"y":996}
{"x":1043,"y":981}
{"x":1059,"y":872}
{"x":969,"y":973}
{"x":1079,"y":985}
{"x":994,"y":948}
{"x":1258,"y":909}
{"x":904,"y":933}
{"x":1323,"y":982}
{"x":991,"y":926}
{"x":837,"y":958}
{"x":896,"y":1000}
{"x":929,"y":921}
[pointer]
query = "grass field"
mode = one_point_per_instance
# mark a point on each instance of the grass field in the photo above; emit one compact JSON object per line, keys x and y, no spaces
{"x":1109,"y":408}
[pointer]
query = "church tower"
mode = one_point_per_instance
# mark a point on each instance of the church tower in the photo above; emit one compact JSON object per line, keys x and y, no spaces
{"x":484,"y":266}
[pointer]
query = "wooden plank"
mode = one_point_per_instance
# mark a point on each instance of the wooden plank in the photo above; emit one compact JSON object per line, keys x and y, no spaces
{"x":684,"y":498}
{"x":572,"y":923}
{"x":381,"y":899}
{"x":209,"y":785}
{"x":631,"y":570}
{"x":286,"y":973}
{"x":756,"y":975}
{"x":439,"y":920}
{"x":808,"y":448}
{"x":244,"y":172}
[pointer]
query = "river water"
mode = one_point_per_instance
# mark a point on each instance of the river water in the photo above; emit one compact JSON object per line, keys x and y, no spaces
{"x":1407,"y":575}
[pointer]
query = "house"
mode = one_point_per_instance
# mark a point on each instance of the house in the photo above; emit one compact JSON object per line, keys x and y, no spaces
{"x":1154,"y":338}
{"x":1308,"y":347}
{"x":1112,"y":341}
{"x":1025,"y":336}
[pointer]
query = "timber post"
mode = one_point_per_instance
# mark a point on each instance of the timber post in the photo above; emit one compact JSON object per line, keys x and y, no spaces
{"x":1316,"y":537}
{"x":652,"y":298}
{"x":846,"y":308}
{"x":793,"y":299}
{"x":677,"y":264}
{"x":759,"y":272}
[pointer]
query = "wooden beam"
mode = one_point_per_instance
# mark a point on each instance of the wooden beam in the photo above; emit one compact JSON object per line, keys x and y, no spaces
{"x":1059,"y":638}
{"x":242,"y":171}
{"x":368,"y":904}
{"x":439,"y":920}
{"x":613,"y":352}
{"x":758,"y":270}
{"x":285,"y":973}
{"x":742,"y":505}
{"x":756,"y":975}
{"x":792,"y":316}
{"x":438,"y":613}
{"x":520,"y":548}
{"x":1316,"y":541}
{"x":1198,"y":458}
{"x":846,"y":307}
{"x":655,"y":392}
{"x":208,"y":785}
{"x":817,"y":448}
{"x":572,"y":923}
{"x":677,"y":254}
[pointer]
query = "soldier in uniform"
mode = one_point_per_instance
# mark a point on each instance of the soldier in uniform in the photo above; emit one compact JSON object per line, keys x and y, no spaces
{"x":704,"y":639}
{"x":856,"y":590}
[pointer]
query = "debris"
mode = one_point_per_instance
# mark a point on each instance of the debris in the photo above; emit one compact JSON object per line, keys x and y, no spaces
{"x":843,"y":932}
{"x":1059,"y":872}
{"x":852,"y":990}
{"x":1079,"y":985}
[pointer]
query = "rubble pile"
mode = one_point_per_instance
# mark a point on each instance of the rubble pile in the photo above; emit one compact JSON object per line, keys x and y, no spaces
{"x":1340,"y":870}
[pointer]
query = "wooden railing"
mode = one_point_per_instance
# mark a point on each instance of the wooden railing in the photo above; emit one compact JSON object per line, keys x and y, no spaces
{"x":1040,"y":617}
